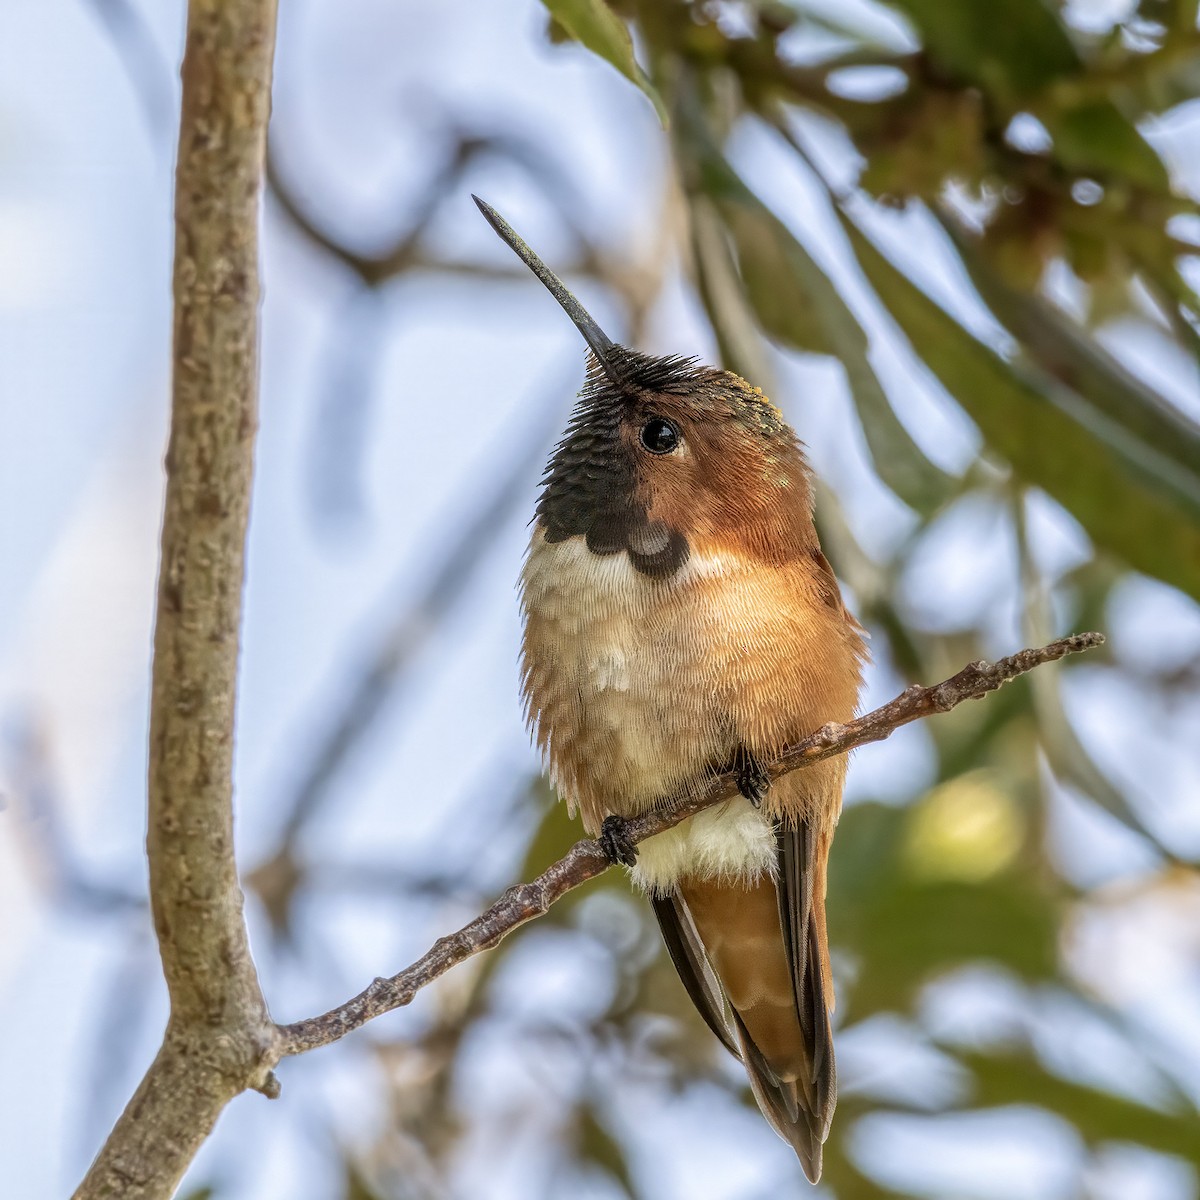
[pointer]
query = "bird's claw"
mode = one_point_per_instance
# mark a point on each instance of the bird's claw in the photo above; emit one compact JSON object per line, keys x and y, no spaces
{"x":615,"y":842}
{"x":753,"y":781}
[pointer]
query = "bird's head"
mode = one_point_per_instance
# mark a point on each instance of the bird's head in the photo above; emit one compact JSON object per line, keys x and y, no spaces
{"x":664,"y":458}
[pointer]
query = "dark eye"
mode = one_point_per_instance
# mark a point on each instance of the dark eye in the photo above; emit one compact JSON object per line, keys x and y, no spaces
{"x":659,"y":436}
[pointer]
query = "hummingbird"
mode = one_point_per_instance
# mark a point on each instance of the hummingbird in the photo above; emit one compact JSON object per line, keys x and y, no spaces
{"x":681,"y":621}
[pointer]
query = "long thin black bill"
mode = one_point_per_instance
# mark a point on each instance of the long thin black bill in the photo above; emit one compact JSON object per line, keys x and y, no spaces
{"x":602,"y":345}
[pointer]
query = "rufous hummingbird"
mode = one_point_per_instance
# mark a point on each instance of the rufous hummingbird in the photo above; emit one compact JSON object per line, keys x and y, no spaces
{"x":681,"y":621}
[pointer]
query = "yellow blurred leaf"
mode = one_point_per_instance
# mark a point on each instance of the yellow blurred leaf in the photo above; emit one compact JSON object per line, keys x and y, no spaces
{"x":966,"y":829}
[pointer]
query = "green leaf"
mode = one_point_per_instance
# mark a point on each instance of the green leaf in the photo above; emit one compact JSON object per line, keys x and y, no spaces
{"x":905,"y":930}
{"x":597,"y":1145}
{"x":594,"y":25}
{"x":739,"y":340}
{"x":781,"y":281}
{"x":1065,"y":753}
{"x":1063,"y":350}
{"x":1010,"y":48}
{"x":1052,"y":436}
{"x":898,"y":460}
{"x":1019,"y":52}
{"x":798,"y":305}
{"x":1096,"y":137}
{"x":356,"y":1186}
{"x":917,"y":932}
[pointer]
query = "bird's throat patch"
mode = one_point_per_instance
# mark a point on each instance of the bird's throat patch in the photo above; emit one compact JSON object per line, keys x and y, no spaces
{"x":654,"y":549}
{"x":590,"y":490}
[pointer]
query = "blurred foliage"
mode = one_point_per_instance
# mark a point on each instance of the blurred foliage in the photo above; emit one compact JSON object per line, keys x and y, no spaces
{"x":1022,"y":141}
{"x":1095,"y":200}
{"x":602,"y":31}
{"x":962,"y":876}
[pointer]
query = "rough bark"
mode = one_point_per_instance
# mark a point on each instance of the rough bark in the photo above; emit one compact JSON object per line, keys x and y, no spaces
{"x":220,"y":1039}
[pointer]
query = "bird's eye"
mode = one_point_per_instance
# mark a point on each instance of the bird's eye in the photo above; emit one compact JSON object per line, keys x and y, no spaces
{"x":659,"y":436}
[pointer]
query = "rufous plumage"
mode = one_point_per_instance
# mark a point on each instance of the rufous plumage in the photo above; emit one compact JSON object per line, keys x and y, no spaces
{"x":680,"y":621}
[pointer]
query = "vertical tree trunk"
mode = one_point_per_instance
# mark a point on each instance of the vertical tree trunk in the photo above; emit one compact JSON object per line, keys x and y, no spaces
{"x":219,"y":1039}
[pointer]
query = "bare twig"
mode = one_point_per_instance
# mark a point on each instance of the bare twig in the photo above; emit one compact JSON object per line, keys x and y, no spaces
{"x":638,"y":284}
{"x":373,"y":270}
{"x":219,"y":1038}
{"x":405,"y":253}
{"x":587,"y":859}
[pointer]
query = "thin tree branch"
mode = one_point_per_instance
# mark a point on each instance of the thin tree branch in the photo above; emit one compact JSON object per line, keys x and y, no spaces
{"x":219,"y":1038}
{"x":404,"y":252}
{"x":637,"y":284}
{"x":587,"y":859}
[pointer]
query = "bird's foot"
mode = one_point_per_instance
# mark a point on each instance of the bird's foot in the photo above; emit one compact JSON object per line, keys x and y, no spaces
{"x":615,"y":842}
{"x":753,"y":781}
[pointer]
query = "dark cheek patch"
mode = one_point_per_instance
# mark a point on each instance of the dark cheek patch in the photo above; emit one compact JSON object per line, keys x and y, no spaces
{"x":590,"y":490}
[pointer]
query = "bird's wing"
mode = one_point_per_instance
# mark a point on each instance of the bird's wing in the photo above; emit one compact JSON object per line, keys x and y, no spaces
{"x":693,"y":967}
{"x":801,"y":892}
{"x":762,"y":944}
